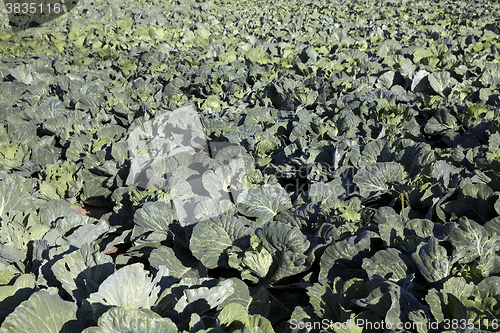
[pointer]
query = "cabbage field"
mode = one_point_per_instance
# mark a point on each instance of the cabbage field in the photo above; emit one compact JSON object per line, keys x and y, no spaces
{"x":251,"y":166}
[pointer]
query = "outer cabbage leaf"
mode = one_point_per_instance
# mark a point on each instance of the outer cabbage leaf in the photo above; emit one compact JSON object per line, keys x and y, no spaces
{"x":253,"y":262}
{"x":259,"y":301}
{"x":258,"y":323}
{"x":491,"y":75}
{"x":23,"y":73}
{"x":375,"y":151}
{"x":471,"y":202}
{"x":474,"y":113}
{"x":459,"y":288}
{"x":43,"y":312}
{"x":433,"y":261}
{"x":414,"y":157}
{"x":442,"y":172}
{"x":118,"y":319}
{"x":241,"y":295}
{"x":420,"y":81}
{"x":393,"y":303}
{"x":389,"y":264}
{"x":385,"y":80}
{"x":344,"y":259}
{"x":14,"y":197}
{"x":193,"y":296}
{"x":70,"y":221}
{"x":323,"y":192}
{"x":12,"y":296}
{"x":486,"y":295}
{"x":439,"y":82}
{"x":129,"y":287}
{"x":179,"y":265}
{"x":263,"y":202}
{"x":152,"y":222}
{"x":397,"y":232}
{"x":60,"y":180}
{"x":288,"y":246}
{"x":87,"y":233}
{"x":95,"y":192}
{"x":473,"y":240}
{"x":233,"y":316}
{"x":211,"y":238}
{"x":7,"y":273}
{"x":379,"y":178}
{"x":300,"y":315}
{"x":52,"y":210}
{"x":15,"y":237}
{"x":71,"y":226}
{"x":328,"y":302}
{"x":82,"y":271}
{"x":332,"y":303}
{"x":202,"y":207}
{"x":441,"y":123}
{"x":456,"y":300}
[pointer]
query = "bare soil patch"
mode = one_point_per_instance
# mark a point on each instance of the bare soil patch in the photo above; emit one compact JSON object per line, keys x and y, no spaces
{"x":95,"y":212}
